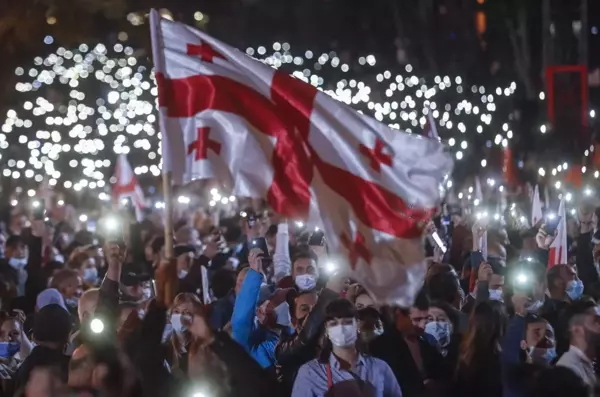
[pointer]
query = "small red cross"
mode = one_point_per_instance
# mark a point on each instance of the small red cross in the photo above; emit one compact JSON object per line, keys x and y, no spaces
{"x":357,"y":249}
{"x":202,"y":144}
{"x":204,"y":51}
{"x":376,"y":155}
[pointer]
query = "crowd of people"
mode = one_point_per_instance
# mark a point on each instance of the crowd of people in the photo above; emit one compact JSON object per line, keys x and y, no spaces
{"x":252,"y":306}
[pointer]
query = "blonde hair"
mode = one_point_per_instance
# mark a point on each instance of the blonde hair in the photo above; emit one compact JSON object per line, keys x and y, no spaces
{"x":175,"y":346}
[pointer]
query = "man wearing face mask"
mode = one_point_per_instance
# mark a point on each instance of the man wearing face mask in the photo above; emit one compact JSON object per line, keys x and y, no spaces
{"x":563,"y":288}
{"x":13,"y":266}
{"x":308,"y":318}
{"x":258,"y":326}
{"x":584,"y":331}
{"x":529,"y":339}
{"x":135,"y":287}
{"x":305,"y":271}
{"x":490,"y":284}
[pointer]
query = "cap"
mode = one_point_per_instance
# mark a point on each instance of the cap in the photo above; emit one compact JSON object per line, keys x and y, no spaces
{"x":183,"y":249}
{"x":130,"y":279}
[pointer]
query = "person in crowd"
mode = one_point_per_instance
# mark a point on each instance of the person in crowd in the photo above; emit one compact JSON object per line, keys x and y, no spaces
{"x":478,"y":370}
{"x":341,"y":368}
{"x":563,"y":288}
{"x":135,"y":287}
{"x":85,"y":265}
{"x":370,"y":325}
{"x":557,"y":382}
{"x":14,"y":348}
{"x":52,"y":325}
{"x":490,"y":285}
{"x":272,"y":314}
{"x":18,"y":223}
{"x":410,"y":352}
{"x":307,"y":310}
{"x":86,"y":306}
{"x":443,"y":285}
{"x":443,"y":324}
{"x":12,"y":268}
{"x":584,"y":331}
{"x":305,"y":271}
{"x":185,"y":306}
{"x":69,"y":284}
{"x":363,"y":300}
{"x":223,"y":287}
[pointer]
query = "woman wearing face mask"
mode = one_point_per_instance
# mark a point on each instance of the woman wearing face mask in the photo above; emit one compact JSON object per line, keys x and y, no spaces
{"x":478,"y":370}
{"x":14,"y":348}
{"x":341,"y":369}
{"x":443,"y":326}
{"x":85,"y":264}
{"x":185,"y":306}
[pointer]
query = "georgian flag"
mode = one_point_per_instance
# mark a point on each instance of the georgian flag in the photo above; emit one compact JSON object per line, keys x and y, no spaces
{"x":265,"y":134}
{"x":126,"y":186}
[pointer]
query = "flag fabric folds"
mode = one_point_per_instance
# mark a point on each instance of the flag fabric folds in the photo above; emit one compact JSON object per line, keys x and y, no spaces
{"x":559,"y":249}
{"x":127,"y":187}
{"x":264,"y":134}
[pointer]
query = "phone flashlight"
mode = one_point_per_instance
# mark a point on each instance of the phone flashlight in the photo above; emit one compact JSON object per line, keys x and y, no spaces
{"x":97,"y":326}
{"x":438,"y":241}
{"x":330,"y":267}
{"x":299,"y":224}
{"x":83,"y":218}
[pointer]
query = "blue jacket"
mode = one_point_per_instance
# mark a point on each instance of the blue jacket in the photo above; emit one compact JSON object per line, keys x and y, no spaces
{"x":259,"y":342}
{"x":510,"y":358}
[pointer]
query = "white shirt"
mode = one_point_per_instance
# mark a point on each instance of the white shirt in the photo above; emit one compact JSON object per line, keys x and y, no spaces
{"x":580,"y":364}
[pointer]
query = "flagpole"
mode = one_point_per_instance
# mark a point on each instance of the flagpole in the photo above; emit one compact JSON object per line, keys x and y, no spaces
{"x":167,"y":176}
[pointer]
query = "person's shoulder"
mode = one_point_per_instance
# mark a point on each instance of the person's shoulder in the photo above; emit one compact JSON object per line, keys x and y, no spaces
{"x":309,"y":367}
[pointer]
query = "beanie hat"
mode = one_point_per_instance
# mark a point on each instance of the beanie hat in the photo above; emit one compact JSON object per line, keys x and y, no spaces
{"x":52,"y":324}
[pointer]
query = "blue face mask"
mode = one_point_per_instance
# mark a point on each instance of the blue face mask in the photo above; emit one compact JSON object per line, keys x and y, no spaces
{"x":575,"y":289}
{"x":543,"y":356}
{"x":9,"y":349}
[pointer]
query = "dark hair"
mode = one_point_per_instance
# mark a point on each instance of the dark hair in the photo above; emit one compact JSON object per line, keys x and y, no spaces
{"x":222,"y":281}
{"x":486,"y":328}
{"x":554,"y":274}
{"x":450,"y":312}
{"x":337,"y":308}
{"x":271,"y":231}
{"x":422,"y":301}
{"x":157,"y":244}
{"x":443,"y":287}
{"x":291,"y":297}
{"x":14,"y":241}
{"x":304,"y":254}
{"x":61,"y":276}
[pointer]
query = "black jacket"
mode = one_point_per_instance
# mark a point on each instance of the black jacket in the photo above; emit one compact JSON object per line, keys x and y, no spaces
{"x":42,"y":356}
{"x":303,"y":345}
{"x":392,"y":348}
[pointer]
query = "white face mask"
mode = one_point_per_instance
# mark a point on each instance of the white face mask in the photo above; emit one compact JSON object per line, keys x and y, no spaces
{"x":17,"y":263}
{"x":495,"y":294}
{"x":282,"y":312}
{"x":306,"y":282}
{"x":440,"y":330}
{"x":90,"y":275}
{"x":343,"y":335}
{"x":178,"y":325}
{"x":182,"y":274}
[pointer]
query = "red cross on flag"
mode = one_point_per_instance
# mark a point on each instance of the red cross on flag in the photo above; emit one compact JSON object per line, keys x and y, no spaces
{"x":126,"y":186}
{"x":265,"y":134}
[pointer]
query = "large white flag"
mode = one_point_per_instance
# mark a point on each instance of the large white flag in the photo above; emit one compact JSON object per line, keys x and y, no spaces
{"x":265,"y":134}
